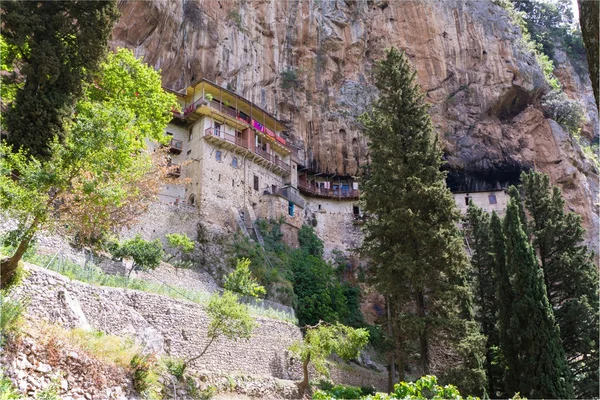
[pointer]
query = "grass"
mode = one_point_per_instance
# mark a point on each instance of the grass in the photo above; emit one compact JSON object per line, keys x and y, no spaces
{"x":95,"y":276}
{"x":11,"y":312}
{"x":7,"y":389}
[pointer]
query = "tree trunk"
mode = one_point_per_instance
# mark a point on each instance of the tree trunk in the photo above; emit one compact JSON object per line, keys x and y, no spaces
{"x":391,"y":360}
{"x":423,"y":335}
{"x":304,"y":384}
{"x":8,"y":266}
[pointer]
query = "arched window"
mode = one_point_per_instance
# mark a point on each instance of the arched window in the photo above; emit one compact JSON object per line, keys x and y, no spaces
{"x":192,"y":200}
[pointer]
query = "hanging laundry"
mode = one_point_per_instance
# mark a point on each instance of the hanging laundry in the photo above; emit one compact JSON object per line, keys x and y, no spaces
{"x":269,"y":132}
{"x":258,"y":126}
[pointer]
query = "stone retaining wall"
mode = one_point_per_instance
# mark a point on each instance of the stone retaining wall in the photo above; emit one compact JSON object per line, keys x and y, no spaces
{"x":166,"y":325}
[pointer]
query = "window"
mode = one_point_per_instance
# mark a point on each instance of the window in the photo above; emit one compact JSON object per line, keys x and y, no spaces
{"x":234,"y":162}
{"x":355,"y":211}
{"x":218,"y":155}
{"x":467,"y":199}
{"x":492,"y":199}
{"x":291,"y":209}
{"x":255,"y":182}
{"x":319,"y":206}
{"x":190,"y":134}
{"x":217,"y":129}
{"x":192,"y":200}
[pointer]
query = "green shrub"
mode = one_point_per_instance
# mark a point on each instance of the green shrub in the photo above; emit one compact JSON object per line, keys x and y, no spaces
{"x":11,"y":312}
{"x":7,"y":390}
{"x":179,"y":244}
{"x":289,"y":79}
{"x":145,"y":377}
{"x":175,"y":367}
{"x":145,"y":254}
{"x":241,"y":280}
{"x":346,"y":392}
{"x":208,"y":393}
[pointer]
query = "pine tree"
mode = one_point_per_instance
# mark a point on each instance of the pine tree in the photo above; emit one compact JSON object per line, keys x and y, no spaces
{"x":504,"y":301}
{"x":541,"y":359}
{"x":484,"y":287}
{"x":411,"y":235}
{"x":56,"y":45}
{"x":571,"y":278}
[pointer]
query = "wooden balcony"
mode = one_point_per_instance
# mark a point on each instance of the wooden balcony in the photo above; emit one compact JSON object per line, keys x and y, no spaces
{"x":316,"y":191}
{"x":240,"y":145}
{"x":176,"y":146}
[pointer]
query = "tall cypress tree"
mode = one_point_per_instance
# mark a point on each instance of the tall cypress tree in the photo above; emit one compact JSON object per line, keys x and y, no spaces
{"x":571,"y":278}
{"x":411,"y":234}
{"x":56,"y":46}
{"x":541,"y":359}
{"x":484,"y":287}
{"x":504,"y":301}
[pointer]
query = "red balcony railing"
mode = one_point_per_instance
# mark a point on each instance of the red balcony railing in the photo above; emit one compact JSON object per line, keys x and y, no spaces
{"x":238,"y":141}
{"x":338,"y":193}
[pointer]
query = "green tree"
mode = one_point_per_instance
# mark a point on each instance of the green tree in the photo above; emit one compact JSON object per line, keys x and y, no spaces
{"x":228,"y":319}
{"x":56,"y":46}
{"x":320,"y":295}
{"x":411,"y":232}
{"x":309,"y":241}
{"x":100,"y":178}
{"x":568,"y":113}
{"x":543,"y":371}
{"x":571,"y":277}
{"x":504,"y":300}
{"x":322,"y":340}
{"x":145,"y":254}
{"x":180,"y":244}
{"x":242,"y":281}
{"x":484,"y":287}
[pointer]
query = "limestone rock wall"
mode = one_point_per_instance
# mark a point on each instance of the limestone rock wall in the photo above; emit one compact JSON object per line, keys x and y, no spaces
{"x":310,"y":62}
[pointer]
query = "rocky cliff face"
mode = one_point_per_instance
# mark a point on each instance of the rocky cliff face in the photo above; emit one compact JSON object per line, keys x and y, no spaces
{"x":310,"y":63}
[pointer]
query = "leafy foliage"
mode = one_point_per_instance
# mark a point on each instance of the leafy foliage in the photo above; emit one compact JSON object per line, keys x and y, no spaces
{"x":8,"y":391}
{"x":289,"y":78}
{"x":99,"y":178}
{"x":411,"y":237}
{"x":317,"y":290}
{"x":242,"y":281}
{"x":145,"y":254}
{"x":179,"y":245}
{"x":55,"y":47}
{"x":228,"y":319}
{"x":558,"y":106}
{"x":426,"y":387}
{"x":11,"y":312}
{"x":322,"y":340}
{"x":145,"y":377}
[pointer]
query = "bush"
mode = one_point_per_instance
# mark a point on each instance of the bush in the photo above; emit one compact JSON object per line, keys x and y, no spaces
{"x":289,"y":79}
{"x":145,"y":254}
{"x":145,"y":378}
{"x":568,"y":113}
{"x":242,"y":281}
{"x":7,"y":390}
{"x":175,"y":367}
{"x":11,"y":312}
{"x":179,"y":245}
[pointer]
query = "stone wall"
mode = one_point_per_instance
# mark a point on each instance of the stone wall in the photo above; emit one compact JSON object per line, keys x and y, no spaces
{"x":166,"y":325}
{"x":483,"y":200}
{"x":334,"y":222}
